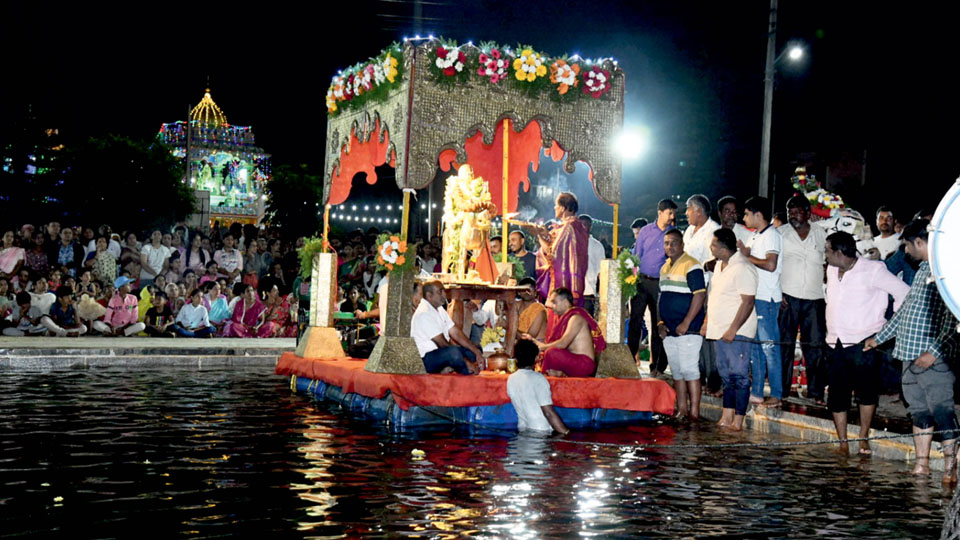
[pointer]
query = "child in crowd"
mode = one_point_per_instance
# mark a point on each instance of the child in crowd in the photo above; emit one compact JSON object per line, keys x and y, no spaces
{"x":146,"y":301}
{"x":106,"y":294}
{"x":41,"y":297}
{"x":63,"y":320}
{"x":24,"y":319}
{"x":190,"y":282}
{"x":86,"y":284}
{"x":193,"y":320}
{"x":159,"y":319}
{"x":211,"y":274}
{"x":54,"y":281}
{"x":22,"y":281}
{"x":121,"y":313}
{"x":174,"y":275}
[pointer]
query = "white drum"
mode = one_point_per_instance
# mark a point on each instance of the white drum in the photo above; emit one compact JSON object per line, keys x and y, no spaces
{"x":944,"y":248}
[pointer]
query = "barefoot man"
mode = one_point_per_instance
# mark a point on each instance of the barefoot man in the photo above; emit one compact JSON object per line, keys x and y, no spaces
{"x":732,"y":324}
{"x":574,"y":343}
{"x":926,"y":336}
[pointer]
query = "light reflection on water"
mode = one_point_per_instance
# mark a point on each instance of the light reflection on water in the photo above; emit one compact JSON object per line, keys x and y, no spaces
{"x":104,"y":453}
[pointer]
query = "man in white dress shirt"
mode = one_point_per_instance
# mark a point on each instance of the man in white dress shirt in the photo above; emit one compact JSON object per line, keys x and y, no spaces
{"x":699,"y":234}
{"x":443,"y":347}
{"x":803,"y":310}
{"x":595,"y":255}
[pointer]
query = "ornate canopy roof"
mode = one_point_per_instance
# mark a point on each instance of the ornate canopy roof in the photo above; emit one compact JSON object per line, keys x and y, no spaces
{"x":207,"y":112}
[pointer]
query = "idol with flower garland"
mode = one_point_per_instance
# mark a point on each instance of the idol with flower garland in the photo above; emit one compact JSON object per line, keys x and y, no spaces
{"x":467,"y":212}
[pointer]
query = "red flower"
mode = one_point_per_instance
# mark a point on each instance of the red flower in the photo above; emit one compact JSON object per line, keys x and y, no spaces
{"x":441,"y":52}
{"x":450,"y":71}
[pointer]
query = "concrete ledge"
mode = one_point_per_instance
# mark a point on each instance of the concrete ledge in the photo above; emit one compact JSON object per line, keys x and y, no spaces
{"x":46,"y":353}
{"x":809,"y":428}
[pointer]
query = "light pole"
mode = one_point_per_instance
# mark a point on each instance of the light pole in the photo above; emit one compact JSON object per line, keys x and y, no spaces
{"x":794,"y":53}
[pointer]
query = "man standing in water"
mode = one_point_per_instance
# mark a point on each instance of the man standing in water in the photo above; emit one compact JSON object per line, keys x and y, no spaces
{"x":529,"y":392}
{"x":574,"y":343}
{"x":858,"y":290}
{"x":926,"y":334}
{"x":732,"y":324}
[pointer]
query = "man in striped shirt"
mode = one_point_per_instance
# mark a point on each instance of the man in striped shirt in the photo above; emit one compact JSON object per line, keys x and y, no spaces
{"x":682,"y":293}
{"x":926,"y":334}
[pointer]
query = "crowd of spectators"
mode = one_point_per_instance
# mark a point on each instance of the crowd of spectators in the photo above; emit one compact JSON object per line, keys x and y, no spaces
{"x":237,"y":281}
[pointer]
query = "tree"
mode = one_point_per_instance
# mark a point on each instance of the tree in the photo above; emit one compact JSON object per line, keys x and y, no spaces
{"x":293,"y":197}
{"x":126,"y":183}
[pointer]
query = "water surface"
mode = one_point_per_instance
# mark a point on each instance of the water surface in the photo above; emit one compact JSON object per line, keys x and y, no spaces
{"x":107,"y":453}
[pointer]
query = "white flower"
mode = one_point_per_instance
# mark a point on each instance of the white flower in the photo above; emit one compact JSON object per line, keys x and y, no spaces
{"x":440,"y":62}
{"x":629,"y":264}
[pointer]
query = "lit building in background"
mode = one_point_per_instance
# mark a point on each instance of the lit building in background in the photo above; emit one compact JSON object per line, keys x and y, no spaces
{"x":222,"y":163}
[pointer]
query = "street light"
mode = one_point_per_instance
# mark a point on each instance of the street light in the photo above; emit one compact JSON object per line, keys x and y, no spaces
{"x":632,"y":143}
{"x":794,"y":53}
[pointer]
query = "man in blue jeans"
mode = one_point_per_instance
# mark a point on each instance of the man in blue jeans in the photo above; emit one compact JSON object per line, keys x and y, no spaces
{"x":763,"y":251}
{"x":731,"y":324}
{"x":443,"y":347}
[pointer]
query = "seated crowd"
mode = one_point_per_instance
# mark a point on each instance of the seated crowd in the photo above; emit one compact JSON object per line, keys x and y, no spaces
{"x":227,"y":282}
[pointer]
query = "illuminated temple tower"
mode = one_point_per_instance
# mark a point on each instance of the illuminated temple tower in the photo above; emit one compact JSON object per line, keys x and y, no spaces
{"x":223,"y":164}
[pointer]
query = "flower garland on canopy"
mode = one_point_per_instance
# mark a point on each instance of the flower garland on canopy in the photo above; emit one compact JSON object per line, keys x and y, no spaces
{"x":822,"y":202}
{"x":451,"y":64}
{"x":392,"y":253}
{"x":564,"y":75}
{"x":369,"y":81}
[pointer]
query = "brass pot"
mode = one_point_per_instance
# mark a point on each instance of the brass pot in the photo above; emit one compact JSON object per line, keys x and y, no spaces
{"x":497,"y":361}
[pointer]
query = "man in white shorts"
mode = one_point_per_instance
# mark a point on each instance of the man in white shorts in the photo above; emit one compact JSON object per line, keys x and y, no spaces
{"x":682,"y":293}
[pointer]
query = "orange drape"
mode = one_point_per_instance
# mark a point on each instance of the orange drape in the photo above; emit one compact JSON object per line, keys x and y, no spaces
{"x":362,"y":157}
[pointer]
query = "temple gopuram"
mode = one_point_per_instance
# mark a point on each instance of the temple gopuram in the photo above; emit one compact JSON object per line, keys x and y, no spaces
{"x":222,"y":163}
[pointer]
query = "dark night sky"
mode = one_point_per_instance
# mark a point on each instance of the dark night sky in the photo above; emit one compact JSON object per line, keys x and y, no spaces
{"x":875,"y":78}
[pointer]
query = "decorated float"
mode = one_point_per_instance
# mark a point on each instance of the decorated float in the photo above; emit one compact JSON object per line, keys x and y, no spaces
{"x":222,"y":163}
{"x":483,"y":114}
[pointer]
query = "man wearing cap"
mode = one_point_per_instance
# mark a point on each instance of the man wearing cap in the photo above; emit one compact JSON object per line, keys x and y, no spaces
{"x":121,"y":312}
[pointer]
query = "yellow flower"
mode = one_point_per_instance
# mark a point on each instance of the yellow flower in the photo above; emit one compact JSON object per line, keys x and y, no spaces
{"x":390,"y":67}
{"x":631,"y":279}
{"x":331,"y":102}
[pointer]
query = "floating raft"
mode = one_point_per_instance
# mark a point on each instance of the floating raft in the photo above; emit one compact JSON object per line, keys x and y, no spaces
{"x":404,"y":402}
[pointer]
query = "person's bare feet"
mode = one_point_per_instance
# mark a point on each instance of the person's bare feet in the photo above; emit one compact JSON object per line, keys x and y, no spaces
{"x":922,"y":467}
{"x":772,"y":403}
{"x":865,"y":449}
{"x":843,"y":448}
{"x":555,"y":373}
{"x":447,"y":370}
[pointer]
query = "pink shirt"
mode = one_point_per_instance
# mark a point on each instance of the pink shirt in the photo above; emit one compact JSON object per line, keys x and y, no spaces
{"x":121,"y":311}
{"x":856,"y":304}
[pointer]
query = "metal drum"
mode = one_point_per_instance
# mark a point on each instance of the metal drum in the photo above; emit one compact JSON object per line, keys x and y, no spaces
{"x":944,"y":248}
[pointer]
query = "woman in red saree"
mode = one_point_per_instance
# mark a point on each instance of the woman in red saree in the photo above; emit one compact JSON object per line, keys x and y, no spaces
{"x":277,"y":321}
{"x":247,"y":316}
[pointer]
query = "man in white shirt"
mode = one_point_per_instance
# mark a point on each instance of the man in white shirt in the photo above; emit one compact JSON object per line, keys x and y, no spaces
{"x":888,"y":242}
{"x":529,"y":393}
{"x":763,"y":251}
{"x":443,"y":347}
{"x":727,"y":208}
{"x":732,"y":324}
{"x":699,"y":234}
{"x":229,"y":260}
{"x":801,"y":281}
{"x":858,"y":290}
{"x":154,"y":259}
{"x":595,"y":255}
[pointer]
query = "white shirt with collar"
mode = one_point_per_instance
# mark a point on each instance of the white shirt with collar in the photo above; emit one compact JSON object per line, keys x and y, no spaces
{"x":595,"y":255}
{"x":697,"y":243}
{"x":429,"y":322}
{"x":761,"y":244}
{"x":801,"y":275}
